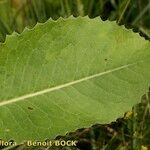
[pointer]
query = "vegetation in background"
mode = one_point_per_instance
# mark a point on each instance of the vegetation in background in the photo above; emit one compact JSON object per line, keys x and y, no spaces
{"x":17,"y":14}
{"x":129,"y":133}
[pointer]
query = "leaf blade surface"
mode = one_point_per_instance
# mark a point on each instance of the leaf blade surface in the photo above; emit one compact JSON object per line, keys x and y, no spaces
{"x":68,"y":74}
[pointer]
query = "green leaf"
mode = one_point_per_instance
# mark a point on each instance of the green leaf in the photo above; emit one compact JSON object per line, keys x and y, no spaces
{"x":67,"y":74}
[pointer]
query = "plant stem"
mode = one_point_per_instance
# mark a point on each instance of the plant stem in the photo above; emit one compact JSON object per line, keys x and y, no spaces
{"x":123,"y":12}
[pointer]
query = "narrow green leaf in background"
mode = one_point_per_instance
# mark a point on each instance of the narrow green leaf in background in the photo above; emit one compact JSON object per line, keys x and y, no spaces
{"x":67,"y":74}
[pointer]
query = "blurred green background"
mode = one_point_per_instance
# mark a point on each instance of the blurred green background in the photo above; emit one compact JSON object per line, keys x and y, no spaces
{"x":16,"y":14}
{"x":129,"y":133}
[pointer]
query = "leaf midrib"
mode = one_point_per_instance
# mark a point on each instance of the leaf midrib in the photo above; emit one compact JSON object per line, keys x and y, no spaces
{"x":48,"y":90}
